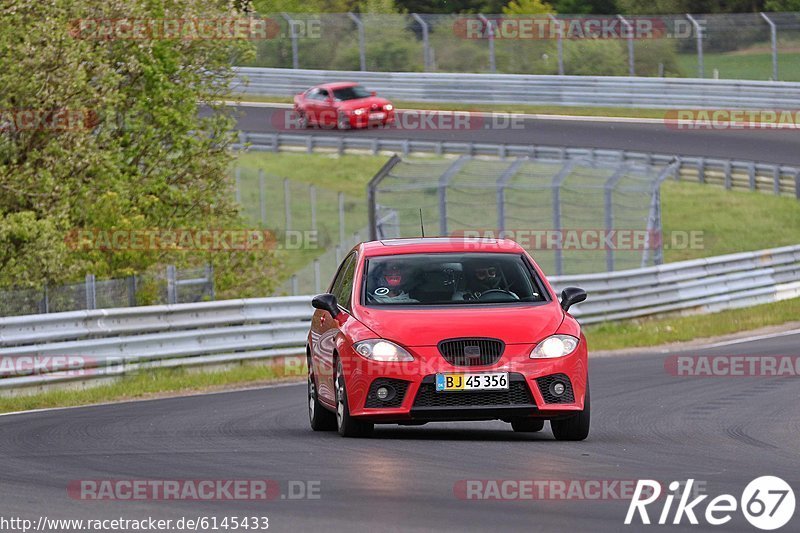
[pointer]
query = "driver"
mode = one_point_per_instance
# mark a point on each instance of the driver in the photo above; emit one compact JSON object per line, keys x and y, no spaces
{"x":393,"y":284}
{"x":484,"y":277}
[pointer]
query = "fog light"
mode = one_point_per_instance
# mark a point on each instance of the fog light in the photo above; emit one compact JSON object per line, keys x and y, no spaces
{"x":383,"y":393}
{"x":558,"y":388}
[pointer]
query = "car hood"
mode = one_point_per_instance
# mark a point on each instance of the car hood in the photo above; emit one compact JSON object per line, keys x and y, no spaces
{"x":426,"y":327}
{"x":358,"y":103}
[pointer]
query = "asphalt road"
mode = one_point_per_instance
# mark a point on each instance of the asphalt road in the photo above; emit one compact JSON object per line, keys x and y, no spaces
{"x":773,"y":146}
{"x":721,"y":431}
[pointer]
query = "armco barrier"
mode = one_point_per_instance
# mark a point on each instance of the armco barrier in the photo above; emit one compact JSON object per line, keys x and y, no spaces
{"x":111,"y":342}
{"x":601,"y":91}
{"x":739,"y":175}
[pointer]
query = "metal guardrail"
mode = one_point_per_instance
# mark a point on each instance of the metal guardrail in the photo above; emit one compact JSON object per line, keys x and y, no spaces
{"x":110,"y":342}
{"x":602,"y":91}
{"x":738,"y":175}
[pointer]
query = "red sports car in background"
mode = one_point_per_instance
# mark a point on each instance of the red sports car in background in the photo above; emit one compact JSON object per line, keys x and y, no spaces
{"x":342,"y":105}
{"x":438,"y":329}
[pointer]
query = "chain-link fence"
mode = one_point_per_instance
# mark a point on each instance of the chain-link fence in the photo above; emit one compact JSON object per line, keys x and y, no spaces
{"x":576,"y":216}
{"x":313,"y":226}
{"x":743,"y":46}
{"x":168,"y":287}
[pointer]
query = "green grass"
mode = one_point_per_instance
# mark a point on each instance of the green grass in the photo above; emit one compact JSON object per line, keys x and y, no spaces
{"x":152,"y":383}
{"x":743,"y":65}
{"x":730,"y":221}
{"x":657,"y":331}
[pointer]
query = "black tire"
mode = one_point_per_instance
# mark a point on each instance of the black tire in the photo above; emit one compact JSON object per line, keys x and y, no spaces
{"x":575,"y":427}
{"x":342,"y":121}
{"x":527,"y":425}
{"x":320,"y":418}
{"x":347,"y":425}
{"x":302,"y":120}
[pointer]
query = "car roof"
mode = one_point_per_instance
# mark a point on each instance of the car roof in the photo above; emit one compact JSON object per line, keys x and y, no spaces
{"x":337,"y":85}
{"x":439,"y":245}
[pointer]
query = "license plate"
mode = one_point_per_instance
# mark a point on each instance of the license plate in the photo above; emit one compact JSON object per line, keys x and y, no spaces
{"x":470,"y":382}
{"x":377,"y":116}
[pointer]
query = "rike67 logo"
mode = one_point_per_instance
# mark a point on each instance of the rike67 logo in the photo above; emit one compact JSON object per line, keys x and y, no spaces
{"x":767,"y":503}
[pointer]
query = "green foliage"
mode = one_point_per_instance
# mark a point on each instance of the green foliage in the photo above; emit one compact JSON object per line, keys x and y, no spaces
{"x":527,"y":7}
{"x":595,"y":57}
{"x":141,"y":157}
{"x":782,"y":5}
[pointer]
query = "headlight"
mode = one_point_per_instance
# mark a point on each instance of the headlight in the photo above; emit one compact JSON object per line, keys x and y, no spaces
{"x":388,"y":107}
{"x":381,"y":350}
{"x":555,"y":346}
{"x":358,"y":112}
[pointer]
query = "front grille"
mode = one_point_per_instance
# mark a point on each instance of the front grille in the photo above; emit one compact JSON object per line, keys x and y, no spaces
{"x":471,"y":352}
{"x":398,"y":385}
{"x":517,"y":395}
{"x":546,"y":382}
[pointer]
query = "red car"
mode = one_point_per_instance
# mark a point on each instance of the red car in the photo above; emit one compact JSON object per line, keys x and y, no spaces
{"x":342,"y":105}
{"x":439,"y":329}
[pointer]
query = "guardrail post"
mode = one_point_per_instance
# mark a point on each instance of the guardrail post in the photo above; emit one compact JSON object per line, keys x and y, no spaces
{"x":362,"y":46}
{"x":631,"y":66}
{"x":751,"y":175}
{"x":728,"y":177}
{"x":317,"y":278}
{"x":91,"y":295}
{"x":426,"y":48}
{"x":293,"y":284}
{"x":797,"y":185}
{"x":559,"y":43}
{"x":172,"y":285}
{"x":293,"y":35}
{"x":700,"y":70}
{"x":776,"y":180}
{"x":287,"y":204}
{"x":701,"y":169}
{"x":773,"y":32}
{"x":46,"y":300}
{"x":490,"y":35}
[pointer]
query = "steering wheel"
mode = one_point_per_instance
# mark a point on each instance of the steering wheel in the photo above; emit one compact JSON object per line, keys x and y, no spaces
{"x":490,"y":292}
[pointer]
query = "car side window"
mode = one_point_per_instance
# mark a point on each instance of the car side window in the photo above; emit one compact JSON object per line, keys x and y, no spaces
{"x":336,"y":286}
{"x":344,"y":290}
{"x":312,"y":94}
{"x":323,"y":94}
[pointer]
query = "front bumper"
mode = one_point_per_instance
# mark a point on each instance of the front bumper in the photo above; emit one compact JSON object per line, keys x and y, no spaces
{"x":416,"y":400}
{"x":369,"y":119}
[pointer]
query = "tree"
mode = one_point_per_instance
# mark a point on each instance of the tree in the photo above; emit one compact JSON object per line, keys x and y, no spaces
{"x":528,"y":7}
{"x":116,"y":140}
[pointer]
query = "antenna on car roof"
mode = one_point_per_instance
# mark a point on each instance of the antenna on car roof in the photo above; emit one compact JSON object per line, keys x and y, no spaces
{"x":421,"y":225}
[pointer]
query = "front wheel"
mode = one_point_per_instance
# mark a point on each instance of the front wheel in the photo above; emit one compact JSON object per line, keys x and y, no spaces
{"x":575,"y":427}
{"x":320,"y":418}
{"x":342,"y":121}
{"x":347,"y":425}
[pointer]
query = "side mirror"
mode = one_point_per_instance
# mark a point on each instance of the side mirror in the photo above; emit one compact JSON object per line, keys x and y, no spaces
{"x":331,"y":101}
{"x":571,"y":296}
{"x":326,"y":302}
{"x":374,"y":93}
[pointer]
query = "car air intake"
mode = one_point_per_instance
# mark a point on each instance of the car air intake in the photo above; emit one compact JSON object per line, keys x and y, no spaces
{"x":471,"y":351}
{"x":548,"y":388}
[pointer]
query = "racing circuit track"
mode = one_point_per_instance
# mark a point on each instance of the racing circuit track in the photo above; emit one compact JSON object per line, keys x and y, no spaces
{"x":649,"y":135}
{"x":646,"y":424}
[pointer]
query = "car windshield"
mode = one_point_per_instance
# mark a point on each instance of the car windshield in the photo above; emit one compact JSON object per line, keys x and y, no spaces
{"x":351,"y":93}
{"x":450,"y":279}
